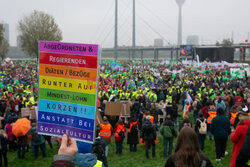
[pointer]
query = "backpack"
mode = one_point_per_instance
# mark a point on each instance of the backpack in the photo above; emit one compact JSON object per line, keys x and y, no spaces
{"x":35,"y":137}
{"x":148,"y":131}
{"x":121,"y":134}
{"x":203,"y":127}
{"x":134,"y":129}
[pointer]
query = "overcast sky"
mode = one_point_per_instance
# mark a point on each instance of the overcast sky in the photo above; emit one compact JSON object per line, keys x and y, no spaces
{"x":92,"y":21}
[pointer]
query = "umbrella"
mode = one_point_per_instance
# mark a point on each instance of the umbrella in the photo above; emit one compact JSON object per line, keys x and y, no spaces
{"x":21,"y":127}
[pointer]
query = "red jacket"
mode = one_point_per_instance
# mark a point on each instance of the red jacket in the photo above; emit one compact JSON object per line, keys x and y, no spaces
{"x":238,"y":138}
{"x":117,"y":130}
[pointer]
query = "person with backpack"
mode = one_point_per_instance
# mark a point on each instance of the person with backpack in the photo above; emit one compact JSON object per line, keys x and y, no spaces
{"x":148,"y":134}
{"x":168,"y":131}
{"x":133,"y":131}
{"x":119,"y":132}
{"x":201,"y":130}
{"x":37,"y":141}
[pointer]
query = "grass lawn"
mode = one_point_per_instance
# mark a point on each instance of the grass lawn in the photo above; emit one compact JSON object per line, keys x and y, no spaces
{"x":127,"y":159}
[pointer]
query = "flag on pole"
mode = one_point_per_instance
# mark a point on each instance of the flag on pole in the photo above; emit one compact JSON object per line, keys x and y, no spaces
{"x":187,"y":104}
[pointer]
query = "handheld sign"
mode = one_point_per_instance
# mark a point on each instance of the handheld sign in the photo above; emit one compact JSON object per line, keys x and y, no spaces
{"x":67,"y":89}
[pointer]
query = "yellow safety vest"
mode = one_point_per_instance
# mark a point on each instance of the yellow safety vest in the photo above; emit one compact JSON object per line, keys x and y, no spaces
{"x":98,"y":164}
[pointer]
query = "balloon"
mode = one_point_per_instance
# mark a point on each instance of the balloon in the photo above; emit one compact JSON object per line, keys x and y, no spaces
{"x":113,"y":75}
{"x":16,"y":82}
{"x":130,"y":72}
{"x":223,"y":79}
{"x":204,"y":71}
{"x":36,"y":84}
{"x":116,"y":91}
{"x":209,"y":71}
{"x":119,"y":73}
{"x":242,"y":68}
{"x":9,"y":88}
{"x":191,"y":70}
{"x":226,"y":71}
{"x":215,"y":79}
{"x":233,"y":78}
{"x":106,"y":72}
{"x":111,"y":90}
{"x":227,"y":79}
{"x":135,"y":64}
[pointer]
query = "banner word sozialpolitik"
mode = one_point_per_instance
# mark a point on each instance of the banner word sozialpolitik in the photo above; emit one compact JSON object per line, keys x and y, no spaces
{"x":67,"y":89}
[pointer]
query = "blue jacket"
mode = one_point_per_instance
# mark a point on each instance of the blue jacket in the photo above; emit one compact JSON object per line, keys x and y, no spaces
{"x":220,"y":126}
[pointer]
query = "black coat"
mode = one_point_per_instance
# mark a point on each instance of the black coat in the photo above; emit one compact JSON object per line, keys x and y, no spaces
{"x":22,"y":140}
{"x":132,"y":137}
{"x":4,"y":143}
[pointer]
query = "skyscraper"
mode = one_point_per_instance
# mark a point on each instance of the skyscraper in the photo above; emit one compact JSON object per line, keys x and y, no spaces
{"x":180,"y":4}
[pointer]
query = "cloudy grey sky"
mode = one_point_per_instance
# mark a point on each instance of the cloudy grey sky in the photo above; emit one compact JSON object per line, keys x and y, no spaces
{"x":92,"y":21}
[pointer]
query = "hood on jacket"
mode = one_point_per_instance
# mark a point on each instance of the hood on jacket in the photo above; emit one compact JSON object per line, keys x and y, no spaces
{"x":85,"y":160}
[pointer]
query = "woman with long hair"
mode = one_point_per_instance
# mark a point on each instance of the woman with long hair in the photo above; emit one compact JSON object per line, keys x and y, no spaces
{"x":187,"y":151}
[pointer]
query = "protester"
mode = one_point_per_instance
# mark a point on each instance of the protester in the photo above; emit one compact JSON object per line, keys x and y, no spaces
{"x":148,"y":134}
{"x":196,"y":107}
{"x":105,"y":133}
{"x":133,"y":130}
{"x":201,"y":130}
{"x":211,"y":115}
{"x":37,"y":141}
{"x":11,"y":141}
{"x":185,"y":122}
{"x":3,"y":148}
{"x":168,"y":131}
{"x":220,"y":104}
{"x":243,"y":157}
{"x":21,"y":144}
{"x":238,"y":138}
{"x":220,"y":128}
{"x":119,"y":132}
{"x":187,"y":151}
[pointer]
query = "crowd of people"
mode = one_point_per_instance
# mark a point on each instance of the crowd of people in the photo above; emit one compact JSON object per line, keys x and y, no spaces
{"x":157,"y":92}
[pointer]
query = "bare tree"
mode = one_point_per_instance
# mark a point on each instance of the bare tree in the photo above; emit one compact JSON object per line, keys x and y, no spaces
{"x":38,"y":26}
{"x":1,"y":33}
{"x":4,"y":48}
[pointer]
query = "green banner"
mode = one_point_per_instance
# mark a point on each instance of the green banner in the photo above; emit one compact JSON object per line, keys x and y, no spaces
{"x":67,"y":96}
